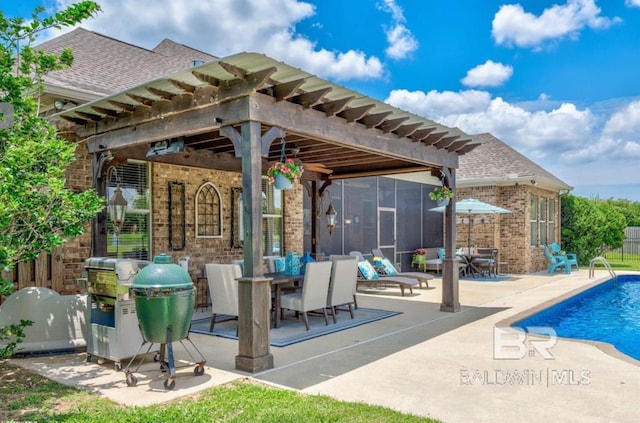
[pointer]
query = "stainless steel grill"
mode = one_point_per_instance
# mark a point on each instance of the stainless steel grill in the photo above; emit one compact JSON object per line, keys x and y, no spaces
{"x":112,"y":329}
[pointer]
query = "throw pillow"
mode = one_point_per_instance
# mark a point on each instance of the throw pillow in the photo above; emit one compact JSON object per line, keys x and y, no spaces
{"x":280,"y":264}
{"x":367,"y":271}
{"x":389,"y":269}
{"x":441,"y":253}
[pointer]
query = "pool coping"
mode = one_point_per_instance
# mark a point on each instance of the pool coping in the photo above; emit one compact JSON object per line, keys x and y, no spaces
{"x":605,"y":347}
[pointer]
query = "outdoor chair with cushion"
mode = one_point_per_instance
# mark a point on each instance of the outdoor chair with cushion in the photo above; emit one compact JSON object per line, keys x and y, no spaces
{"x":223,"y":288}
{"x":370,"y":277}
{"x":384,"y":267}
{"x":488,"y":264}
{"x":333,"y":257}
{"x":556,"y":261}
{"x":314,"y":293}
{"x":344,"y":277}
{"x":571,"y":257}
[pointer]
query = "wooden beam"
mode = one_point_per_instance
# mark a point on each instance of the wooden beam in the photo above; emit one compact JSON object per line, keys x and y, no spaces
{"x":161,"y":93}
{"x":307,"y":100}
{"x":458,"y":144}
{"x":77,"y":121}
{"x":235,"y":137}
{"x":374,"y":119}
{"x":124,"y":106}
{"x":446,"y":141}
{"x":184,"y":123}
{"x":105,"y":111}
{"x":183,"y":86}
{"x":392,"y":124}
{"x":266,"y":140}
{"x":422,"y":133}
{"x":208,"y":79}
{"x":433,"y":137}
{"x":147,"y":102}
{"x":233,"y":70}
{"x":407,"y":130}
{"x":286,"y":89}
{"x":332,"y":108}
{"x":355,"y":113}
{"x":89,"y":116}
{"x":314,"y":124}
{"x":381,"y":172}
{"x":258,"y":79}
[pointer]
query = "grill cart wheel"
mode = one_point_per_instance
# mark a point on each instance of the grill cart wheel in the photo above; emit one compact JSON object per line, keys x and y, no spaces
{"x":198,"y":370}
{"x":131,"y":380}
{"x":169,"y":384}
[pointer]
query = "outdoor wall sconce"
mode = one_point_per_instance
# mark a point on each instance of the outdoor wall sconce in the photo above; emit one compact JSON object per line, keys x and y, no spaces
{"x":116,"y":205}
{"x":331,"y":217}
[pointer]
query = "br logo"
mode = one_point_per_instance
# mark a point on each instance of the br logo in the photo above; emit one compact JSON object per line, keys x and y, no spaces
{"x":6,"y":115}
{"x":515,"y":343}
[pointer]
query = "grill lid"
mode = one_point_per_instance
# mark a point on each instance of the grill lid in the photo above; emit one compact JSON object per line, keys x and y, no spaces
{"x":164,"y":274}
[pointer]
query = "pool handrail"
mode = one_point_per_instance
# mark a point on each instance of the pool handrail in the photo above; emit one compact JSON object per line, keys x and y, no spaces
{"x":606,"y":265}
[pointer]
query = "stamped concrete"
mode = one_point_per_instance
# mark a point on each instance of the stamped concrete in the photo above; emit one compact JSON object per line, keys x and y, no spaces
{"x":424,"y":361}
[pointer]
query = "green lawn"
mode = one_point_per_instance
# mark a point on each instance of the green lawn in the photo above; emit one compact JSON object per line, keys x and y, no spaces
{"x":25,"y":396}
{"x":631,"y":262}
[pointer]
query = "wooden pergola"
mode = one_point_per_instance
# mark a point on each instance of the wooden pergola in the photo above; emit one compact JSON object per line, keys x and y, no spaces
{"x":233,"y":113}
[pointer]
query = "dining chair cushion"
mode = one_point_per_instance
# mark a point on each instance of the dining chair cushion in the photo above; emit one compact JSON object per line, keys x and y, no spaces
{"x":367,"y":271}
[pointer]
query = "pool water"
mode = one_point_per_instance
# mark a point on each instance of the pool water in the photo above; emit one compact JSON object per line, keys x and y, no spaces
{"x":607,"y":312}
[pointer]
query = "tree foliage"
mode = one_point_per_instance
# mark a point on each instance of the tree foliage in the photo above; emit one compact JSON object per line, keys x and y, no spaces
{"x":37,"y":211}
{"x":591,"y":227}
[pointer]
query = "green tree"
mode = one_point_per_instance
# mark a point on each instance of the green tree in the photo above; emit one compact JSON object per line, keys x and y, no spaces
{"x":37,"y":211}
{"x":590,"y":227}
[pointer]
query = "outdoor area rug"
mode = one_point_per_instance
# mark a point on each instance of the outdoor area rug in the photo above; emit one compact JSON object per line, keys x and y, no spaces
{"x":292,"y":331}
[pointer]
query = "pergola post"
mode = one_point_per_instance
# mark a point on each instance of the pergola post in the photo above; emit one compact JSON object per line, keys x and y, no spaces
{"x":254,"y":290}
{"x":450,"y":270}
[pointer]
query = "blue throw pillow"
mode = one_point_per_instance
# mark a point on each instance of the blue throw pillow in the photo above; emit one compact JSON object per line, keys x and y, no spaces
{"x":367,"y":270}
{"x":280,"y":264}
{"x":441,"y":253}
{"x":389,"y":269}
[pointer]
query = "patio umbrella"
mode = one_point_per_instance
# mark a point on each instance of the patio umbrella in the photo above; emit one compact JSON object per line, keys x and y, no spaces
{"x":472,"y":206}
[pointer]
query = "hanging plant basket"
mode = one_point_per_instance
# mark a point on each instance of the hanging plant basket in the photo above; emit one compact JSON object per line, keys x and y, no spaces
{"x":444,"y":202}
{"x":282,"y":182}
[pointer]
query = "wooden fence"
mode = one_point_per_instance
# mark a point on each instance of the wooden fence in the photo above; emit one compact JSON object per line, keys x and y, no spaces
{"x":46,"y":271}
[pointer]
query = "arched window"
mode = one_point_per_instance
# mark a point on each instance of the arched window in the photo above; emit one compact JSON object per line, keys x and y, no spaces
{"x":208,"y":212}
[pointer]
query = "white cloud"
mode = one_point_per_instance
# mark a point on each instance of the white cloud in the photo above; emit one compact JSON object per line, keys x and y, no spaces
{"x":225,"y":27}
{"x":632,"y":3}
{"x":489,"y":74}
{"x":539,"y":134}
{"x":625,"y":122}
{"x":401,"y":40}
{"x":513,"y":26}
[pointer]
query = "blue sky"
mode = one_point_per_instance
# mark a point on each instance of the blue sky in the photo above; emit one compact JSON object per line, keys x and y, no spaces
{"x":558,"y":81}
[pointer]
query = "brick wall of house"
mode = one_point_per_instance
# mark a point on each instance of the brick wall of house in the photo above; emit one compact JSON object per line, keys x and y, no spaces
{"x":201,"y":250}
{"x":207,"y":250}
{"x":510,"y":233}
{"x":76,"y":250}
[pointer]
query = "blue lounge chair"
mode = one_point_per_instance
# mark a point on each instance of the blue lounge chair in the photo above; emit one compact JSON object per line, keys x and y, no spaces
{"x":571,"y":257}
{"x":556,"y":261}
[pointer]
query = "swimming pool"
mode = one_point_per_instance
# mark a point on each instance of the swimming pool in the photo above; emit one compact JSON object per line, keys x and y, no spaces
{"x":607,"y":312}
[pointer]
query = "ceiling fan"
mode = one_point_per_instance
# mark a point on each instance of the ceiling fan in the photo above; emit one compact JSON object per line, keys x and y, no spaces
{"x":312,"y":167}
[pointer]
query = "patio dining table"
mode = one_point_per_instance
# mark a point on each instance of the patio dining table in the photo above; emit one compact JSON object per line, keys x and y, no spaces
{"x":470,"y":258}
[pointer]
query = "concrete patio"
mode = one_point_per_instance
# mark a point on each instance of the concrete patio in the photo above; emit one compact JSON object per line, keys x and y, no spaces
{"x":423,"y":361}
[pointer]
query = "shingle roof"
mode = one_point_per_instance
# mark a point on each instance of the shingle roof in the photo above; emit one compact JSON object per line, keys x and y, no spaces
{"x":494,"y":162}
{"x":94,"y":69}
